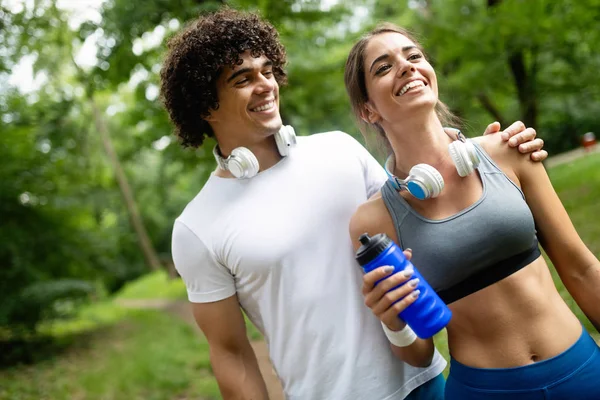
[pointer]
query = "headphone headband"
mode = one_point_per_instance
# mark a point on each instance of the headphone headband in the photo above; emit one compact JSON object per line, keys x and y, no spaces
{"x":243,"y":164}
{"x":221,"y":162}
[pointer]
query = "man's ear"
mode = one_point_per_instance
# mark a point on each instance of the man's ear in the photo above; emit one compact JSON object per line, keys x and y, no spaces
{"x":369,"y":114}
{"x":210,"y":117}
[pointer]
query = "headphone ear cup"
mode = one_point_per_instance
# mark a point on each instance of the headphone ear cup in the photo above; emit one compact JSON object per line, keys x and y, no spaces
{"x":242,"y":163}
{"x":285,"y":138}
{"x":427,"y":179}
{"x":458,"y":158}
{"x":472,"y":154}
{"x":465,"y":157}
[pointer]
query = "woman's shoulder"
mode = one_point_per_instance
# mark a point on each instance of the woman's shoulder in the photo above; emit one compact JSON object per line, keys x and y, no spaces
{"x":373,"y":207}
{"x":499,"y":150}
{"x":507,"y":158}
{"x":370,"y":217}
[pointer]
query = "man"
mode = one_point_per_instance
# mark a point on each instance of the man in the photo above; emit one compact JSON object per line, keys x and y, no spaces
{"x":275,"y":242}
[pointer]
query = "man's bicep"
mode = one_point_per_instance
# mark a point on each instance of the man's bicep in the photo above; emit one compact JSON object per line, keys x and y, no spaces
{"x":222,"y":322}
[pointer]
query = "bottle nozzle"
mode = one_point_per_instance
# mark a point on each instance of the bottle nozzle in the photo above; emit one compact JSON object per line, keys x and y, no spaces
{"x":364,"y":239}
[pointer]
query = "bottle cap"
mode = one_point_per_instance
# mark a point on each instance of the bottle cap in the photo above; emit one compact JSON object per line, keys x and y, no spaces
{"x":371,"y":247}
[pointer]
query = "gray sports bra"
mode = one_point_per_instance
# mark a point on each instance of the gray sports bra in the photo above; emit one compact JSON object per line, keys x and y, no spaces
{"x":480,"y":245}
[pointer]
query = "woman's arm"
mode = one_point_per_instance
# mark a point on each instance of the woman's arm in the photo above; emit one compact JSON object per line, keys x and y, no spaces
{"x":577,"y":267}
{"x":371,"y":218}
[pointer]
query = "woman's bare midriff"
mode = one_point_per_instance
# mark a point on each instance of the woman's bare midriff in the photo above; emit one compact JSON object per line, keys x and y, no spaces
{"x":515,"y":322}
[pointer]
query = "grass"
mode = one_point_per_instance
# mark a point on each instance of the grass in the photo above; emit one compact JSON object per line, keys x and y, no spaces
{"x":156,"y":285}
{"x":148,"y":355}
{"x":578,"y":186}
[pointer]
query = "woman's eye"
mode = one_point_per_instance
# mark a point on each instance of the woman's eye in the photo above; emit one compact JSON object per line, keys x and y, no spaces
{"x":382,"y":68}
{"x":415,"y":56}
{"x":268,"y":73}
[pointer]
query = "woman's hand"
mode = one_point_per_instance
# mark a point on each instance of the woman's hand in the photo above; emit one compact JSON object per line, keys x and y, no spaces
{"x":383,"y":296}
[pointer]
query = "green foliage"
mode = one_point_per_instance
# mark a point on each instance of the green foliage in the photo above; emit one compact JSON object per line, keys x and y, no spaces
{"x":156,"y":285}
{"x":478,"y":51}
{"x":54,"y":239}
{"x":41,"y":254}
{"x":577,"y":183}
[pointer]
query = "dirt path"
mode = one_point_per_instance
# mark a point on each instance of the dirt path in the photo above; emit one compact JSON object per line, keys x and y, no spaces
{"x":183,"y":311}
{"x":569,"y":156}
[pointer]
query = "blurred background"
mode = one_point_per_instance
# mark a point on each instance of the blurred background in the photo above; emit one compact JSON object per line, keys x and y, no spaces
{"x":91,"y":178}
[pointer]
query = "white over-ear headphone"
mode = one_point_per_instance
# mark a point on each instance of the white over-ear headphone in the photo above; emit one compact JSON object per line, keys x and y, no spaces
{"x":424,"y":181}
{"x":242,"y":163}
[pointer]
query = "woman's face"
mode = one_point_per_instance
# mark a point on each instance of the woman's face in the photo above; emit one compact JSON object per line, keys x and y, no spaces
{"x":399,"y":80}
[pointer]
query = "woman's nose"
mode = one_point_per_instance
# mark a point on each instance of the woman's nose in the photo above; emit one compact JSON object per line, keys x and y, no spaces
{"x":404,"y":67}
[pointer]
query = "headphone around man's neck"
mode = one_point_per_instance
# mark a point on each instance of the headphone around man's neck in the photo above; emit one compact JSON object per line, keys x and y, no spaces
{"x":243,"y":164}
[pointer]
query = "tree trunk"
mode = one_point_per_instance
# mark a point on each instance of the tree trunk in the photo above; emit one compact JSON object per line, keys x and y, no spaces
{"x":144,"y":241}
{"x":524,"y":80}
{"x":526,"y":90}
{"x":487,"y":104}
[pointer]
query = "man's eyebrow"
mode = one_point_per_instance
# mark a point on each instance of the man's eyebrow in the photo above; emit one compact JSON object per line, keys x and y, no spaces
{"x":386,"y":55}
{"x":241,"y":71}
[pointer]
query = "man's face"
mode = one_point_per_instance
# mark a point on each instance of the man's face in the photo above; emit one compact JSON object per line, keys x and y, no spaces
{"x":248,"y":97}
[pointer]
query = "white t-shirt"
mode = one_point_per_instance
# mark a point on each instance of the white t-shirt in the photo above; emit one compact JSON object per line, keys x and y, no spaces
{"x":280,"y":242}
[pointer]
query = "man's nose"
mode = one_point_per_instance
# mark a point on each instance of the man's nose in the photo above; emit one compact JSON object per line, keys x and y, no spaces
{"x":265,"y":84}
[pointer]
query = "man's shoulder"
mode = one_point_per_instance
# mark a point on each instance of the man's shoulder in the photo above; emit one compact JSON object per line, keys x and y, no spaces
{"x":202,"y":207}
{"x":329,"y":135}
{"x":335,"y":138}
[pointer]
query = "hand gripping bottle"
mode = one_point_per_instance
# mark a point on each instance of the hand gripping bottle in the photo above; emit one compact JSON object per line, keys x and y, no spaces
{"x":428,"y":314}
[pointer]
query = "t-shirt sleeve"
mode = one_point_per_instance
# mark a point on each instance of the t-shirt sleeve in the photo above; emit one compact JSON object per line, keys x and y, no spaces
{"x":374,"y":174}
{"x":205,"y":278}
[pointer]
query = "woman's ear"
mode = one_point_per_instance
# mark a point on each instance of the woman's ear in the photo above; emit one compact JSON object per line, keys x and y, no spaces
{"x":369,"y":115}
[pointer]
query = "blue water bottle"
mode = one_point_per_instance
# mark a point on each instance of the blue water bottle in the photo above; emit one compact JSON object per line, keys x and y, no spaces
{"x":428,"y":314}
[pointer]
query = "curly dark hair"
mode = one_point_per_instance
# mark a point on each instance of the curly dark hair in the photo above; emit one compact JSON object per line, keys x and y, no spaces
{"x":197,"y":56}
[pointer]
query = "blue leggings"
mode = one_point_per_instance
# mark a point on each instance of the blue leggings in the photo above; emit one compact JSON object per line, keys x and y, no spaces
{"x":571,"y":375}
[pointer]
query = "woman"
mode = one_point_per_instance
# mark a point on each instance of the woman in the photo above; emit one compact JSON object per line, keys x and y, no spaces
{"x":511,"y":334}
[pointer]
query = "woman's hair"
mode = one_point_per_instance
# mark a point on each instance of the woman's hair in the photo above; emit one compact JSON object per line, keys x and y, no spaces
{"x":354,"y":78}
{"x":197,"y":56}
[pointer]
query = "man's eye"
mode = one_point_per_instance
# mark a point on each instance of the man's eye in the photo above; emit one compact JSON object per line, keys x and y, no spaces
{"x":268,"y":73}
{"x":242,"y":81}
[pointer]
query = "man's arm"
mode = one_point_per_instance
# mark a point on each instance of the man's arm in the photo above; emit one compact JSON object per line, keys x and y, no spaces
{"x":232,"y":358}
